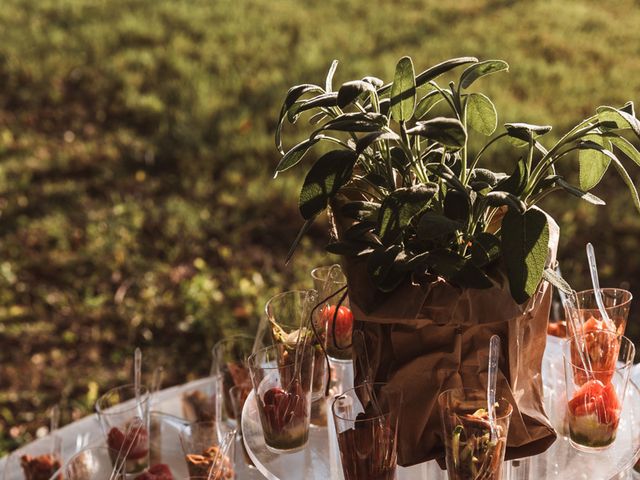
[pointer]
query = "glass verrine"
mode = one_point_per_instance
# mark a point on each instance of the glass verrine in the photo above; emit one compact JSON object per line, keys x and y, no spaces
{"x":124,"y":418}
{"x":336,"y":318}
{"x":230,"y":364}
{"x":616,"y":301}
{"x":289,"y":315}
{"x":596,"y":394}
{"x":366,"y":424}
{"x":164,"y":440}
{"x":95,"y":463}
{"x":202,"y":402}
{"x":282,"y":385}
{"x":38,"y":460}
{"x":238,"y":397}
{"x":470,"y":451}
{"x":202,"y":444}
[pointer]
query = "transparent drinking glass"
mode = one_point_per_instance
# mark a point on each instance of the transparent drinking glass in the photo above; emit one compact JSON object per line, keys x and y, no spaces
{"x":164,"y":441}
{"x":616,"y":301}
{"x":282,"y":380}
{"x":38,"y":460}
{"x":202,"y":402}
{"x":336,"y":318}
{"x":366,"y":424}
{"x":470,"y":451}
{"x":202,"y":444}
{"x":230,"y":364}
{"x":95,"y":463}
{"x":596,"y":394}
{"x":124,"y":417}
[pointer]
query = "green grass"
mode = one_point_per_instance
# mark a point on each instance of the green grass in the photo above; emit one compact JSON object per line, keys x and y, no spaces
{"x":136,"y":151}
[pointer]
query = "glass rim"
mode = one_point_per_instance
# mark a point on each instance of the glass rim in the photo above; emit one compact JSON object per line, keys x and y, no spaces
{"x":483,"y":393}
{"x":327,"y":268}
{"x":622,"y":338}
{"x":591,"y":292}
{"x":286,"y":293}
{"x":354,"y":389}
{"x":102,"y":410}
{"x":251,"y":360}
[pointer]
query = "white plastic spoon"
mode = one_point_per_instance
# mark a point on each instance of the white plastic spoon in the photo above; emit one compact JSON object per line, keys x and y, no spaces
{"x":137,"y":372}
{"x":492,"y":380}
{"x":593,"y":269}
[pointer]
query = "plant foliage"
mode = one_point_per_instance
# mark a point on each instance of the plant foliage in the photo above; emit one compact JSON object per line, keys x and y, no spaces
{"x":421,"y":201}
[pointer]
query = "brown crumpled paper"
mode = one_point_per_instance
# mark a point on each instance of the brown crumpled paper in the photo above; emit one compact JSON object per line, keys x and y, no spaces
{"x":427,"y":338}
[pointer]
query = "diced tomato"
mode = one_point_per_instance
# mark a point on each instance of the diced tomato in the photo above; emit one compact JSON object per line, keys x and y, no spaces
{"x":594,"y":397}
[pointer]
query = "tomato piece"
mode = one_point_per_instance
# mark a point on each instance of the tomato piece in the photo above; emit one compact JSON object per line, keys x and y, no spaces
{"x":586,"y":393}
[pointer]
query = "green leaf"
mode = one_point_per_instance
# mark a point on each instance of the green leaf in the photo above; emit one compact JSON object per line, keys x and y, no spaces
{"x":485,"y":249}
{"x":329,"y":80}
{"x":295,"y":155}
{"x":526,"y":131}
{"x":619,"y":167}
{"x":380,"y":267}
{"x":371,"y":138}
{"x":360,"y":210}
{"x":354,"y":122}
{"x":375,"y":81}
{"x":525,"y":243}
{"x":554,"y":278}
{"x":292,"y":96}
{"x":448,"y":132}
{"x":351,"y":249}
{"x":573,"y":190}
{"x":427,"y":102}
{"x":319,"y":101}
{"x":483,"y":175}
{"x":403,"y":91}
{"x":324,"y":179}
{"x":478,"y":70}
{"x":350,"y":91}
{"x":621,"y":118}
{"x":500,"y":199}
{"x":444,"y":172}
{"x":470,"y":276}
{"x":435,"y":71}
{"x":625,"y":146}
{"x":517,"y":181}
{"x":401,"y":206}
{"x":481,"y":114}
{"x":433,"y":225}
{"x":593,"y":163}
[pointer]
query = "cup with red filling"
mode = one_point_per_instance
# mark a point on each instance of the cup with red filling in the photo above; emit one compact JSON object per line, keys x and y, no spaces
{"x":336,"y":318}
{"x":616,"y":302}
{"x":596,"y":393}
{"x":204,"y":450}
{"x":38,"y":460}
{"x":124,"y":417}
{"x":282,"y":387}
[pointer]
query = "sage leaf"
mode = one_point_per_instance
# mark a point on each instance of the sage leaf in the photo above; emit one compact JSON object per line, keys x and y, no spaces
{"x":481,"y":69}
{"x":292,"y":96}
{"x":329,"y":80}
{"x":593,"y":163}
{"x":319,"y":101}
{"x":375,"y":81}
{"x":433,"y":225}
{"x":457,"y":206}
{"x":500,"y":199}
{"x":485,"y":249}
{"x":621,"y":118}
{"x":573,"y":190}
{"x":354,"y":122}
{"x":618,"y":166}
{"x":426,"y":103}
{"x":481,"y":114}
{"x":295,"y":155}
{"x":324,"y":179}
{"x":626,"y":147}
{"x":380,"y":268}
{"x":525,"y":243}
{"x":448,"y":132}
{"x":517,"y":181}
{"x":399,"y":208}
{"x":526,"y":131}
{"x":369,"y":139}
{"x":350,"y":91}
{"x":403,"y":91}
{"x":360,"y":210}
{"x":554,"y":278}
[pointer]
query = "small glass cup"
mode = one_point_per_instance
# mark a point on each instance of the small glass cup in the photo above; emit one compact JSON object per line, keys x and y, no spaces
{"x":470,"y":451}
{"x":616,"y":302}
{"x":230,"y":364}
{"x":164,"y":441}
{"x":366,"y":424}
{"x":124,"y":417}
{"x":238,"y":397}
{"x":39,"y":460}
{"x":336,"y":319}
{"x":282,"y":385}
{"x":201,"y":443}
{"x":596,"y":395}
{"x":201,"y":403}
{"x":94,"y":463}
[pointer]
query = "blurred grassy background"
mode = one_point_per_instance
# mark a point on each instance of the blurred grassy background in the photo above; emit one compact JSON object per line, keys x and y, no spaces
{"x":136,"y":199}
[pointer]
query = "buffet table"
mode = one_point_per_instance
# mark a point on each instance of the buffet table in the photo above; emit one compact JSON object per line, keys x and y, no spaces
{"x":320,"y":460}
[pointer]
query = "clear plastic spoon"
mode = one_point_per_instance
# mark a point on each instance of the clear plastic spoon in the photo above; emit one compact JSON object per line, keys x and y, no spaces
{"x":137,"y":372}
{"x":492,"y":380}
{"x":593,"y":269}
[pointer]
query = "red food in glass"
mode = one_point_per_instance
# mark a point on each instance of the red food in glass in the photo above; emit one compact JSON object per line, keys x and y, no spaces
{"x":284,"y":417}
{"x":160,"y":471}
{"x":338,"y":338}
{"x":594,"y":414}
{"x":40,"y":467}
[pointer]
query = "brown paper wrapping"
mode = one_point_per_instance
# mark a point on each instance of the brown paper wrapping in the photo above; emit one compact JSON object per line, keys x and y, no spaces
{"x":427,"y":338}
